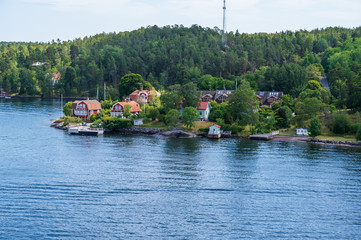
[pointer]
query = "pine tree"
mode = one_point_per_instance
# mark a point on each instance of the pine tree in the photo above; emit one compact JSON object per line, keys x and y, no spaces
{"x":315,"y":127}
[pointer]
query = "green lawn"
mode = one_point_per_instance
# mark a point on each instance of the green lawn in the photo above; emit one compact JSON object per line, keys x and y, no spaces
{"x":154,"y":124}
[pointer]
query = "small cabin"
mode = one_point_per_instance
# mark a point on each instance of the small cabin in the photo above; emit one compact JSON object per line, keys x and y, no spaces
{"x":301,"y":131}
{"x":85,"y":108}
{"x":138,"y":122}
{"x":214,"y":129}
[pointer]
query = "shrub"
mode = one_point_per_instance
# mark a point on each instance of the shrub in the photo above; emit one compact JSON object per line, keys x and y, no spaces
{"x":354,"y":127}
{"x":95,"y":117}
{"x":97,"y":123}
{"x":358,"y":134}
{"x":235,"y":129}
{"x":341,"y":123}
{"x":68,"y":119}
{"x":203,"y":130}
{"x":113,"y":123}
{"x":171,"y":117}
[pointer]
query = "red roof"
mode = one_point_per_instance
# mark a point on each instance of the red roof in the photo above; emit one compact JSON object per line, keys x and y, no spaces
{"x":135,"y":106}
{"x":216,"y":125}
{"x":203,"y":106}
{"x":56,"y":76}
{"x":92,"y":104}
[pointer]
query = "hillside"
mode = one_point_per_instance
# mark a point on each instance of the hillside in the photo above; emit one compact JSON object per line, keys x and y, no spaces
{"x":165,"y":56}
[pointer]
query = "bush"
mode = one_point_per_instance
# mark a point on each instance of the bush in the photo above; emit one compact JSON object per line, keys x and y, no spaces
{"x":172,"y":117}
{"x":95,"y":117}
{"x":97,"y":124}
{"x":354,"y":127}
{"x":203,"y":130}
{"x":358,"y":134}
{"x":146,"y":120}
{"x":341,"y":123}
{"x":113,"y":123}
{"x":235,"y":129}
{"x":68,"y":119}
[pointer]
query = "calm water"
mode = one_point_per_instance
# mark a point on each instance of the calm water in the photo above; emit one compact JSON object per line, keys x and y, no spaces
{"x":56,"y":186}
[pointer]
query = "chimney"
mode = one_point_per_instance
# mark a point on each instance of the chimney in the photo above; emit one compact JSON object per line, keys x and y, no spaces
{"x":150,"y":89}
{"x":141,"y":89}
{"x":127,"y":100}
{"x":87,"y":99}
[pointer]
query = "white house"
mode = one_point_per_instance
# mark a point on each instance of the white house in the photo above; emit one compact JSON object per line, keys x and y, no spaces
{"x":214,"y":129}
{"x":301,"y":131}
{"x":204,"y":109}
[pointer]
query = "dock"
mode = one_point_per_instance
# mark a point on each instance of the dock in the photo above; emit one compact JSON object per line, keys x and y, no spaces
{"x":85,"y":130}
{"x":264,"y":136}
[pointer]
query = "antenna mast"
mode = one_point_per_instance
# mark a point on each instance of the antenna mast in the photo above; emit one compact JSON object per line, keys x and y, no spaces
{"x":224,"y":36}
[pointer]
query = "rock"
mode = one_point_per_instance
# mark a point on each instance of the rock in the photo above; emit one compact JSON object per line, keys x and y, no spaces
{"x":139,"y":131}
{"x":178,"y":134}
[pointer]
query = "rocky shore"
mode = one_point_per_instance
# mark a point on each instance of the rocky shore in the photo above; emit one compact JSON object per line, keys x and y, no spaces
{"x":316,"y":140}
{"x":171,"y":133}
{"x":178,"y":133}
{"x":340,"y":143}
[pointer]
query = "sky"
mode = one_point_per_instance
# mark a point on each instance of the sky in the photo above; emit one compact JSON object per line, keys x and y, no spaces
{"x":47,"y":20}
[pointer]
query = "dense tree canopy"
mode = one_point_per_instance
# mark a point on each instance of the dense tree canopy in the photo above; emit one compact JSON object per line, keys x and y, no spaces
{"x":171,"y":55}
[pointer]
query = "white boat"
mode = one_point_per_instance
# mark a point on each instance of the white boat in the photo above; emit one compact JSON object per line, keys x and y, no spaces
{"x":85,"y":130}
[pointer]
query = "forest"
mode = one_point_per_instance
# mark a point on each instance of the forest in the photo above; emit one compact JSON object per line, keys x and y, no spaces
{"x":165,"y":56}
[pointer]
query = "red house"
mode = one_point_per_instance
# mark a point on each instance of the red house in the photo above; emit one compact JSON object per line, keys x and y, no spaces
{"x":268,"y":98}
{"x":144,"y":96}
{"x":85,"y":108}
{"x":119,"y":108}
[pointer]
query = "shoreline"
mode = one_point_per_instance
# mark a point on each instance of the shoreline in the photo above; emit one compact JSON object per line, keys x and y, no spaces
{"x":316,"y":141}
{"x":178,"y":133}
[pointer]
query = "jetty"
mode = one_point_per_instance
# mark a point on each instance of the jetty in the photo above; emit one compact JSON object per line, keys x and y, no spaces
{"x":85,"y":129}
{"x":264,"y":136}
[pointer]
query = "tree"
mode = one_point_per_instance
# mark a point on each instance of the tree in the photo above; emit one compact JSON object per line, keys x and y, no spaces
{"x":190,"y":95}
{"x":172,"y":99}
{"x":283,"y":117}
{"x":307,"y":108}
{"x":127,"y":108}
{"x":315,"y":127}
{"x":341,"y":123}
{"x":152,"y":112}
{"x":172,"y":117}
{"x":190,"y":115}
{"x":27,"y":83}
{"x":243,"y":104}
{"x":67,"y":109}
{"x":131,"y":82}
{"x":68,"y":80}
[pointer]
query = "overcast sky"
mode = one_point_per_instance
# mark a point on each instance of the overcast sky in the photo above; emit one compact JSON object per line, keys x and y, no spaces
{"x":45,"y":20}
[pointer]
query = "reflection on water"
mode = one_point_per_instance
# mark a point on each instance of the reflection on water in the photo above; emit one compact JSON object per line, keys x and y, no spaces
{"x":54,"y":185}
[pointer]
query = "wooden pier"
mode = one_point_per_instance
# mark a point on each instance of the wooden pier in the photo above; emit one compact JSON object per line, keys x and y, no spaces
{"x":85,"y":130}
{"x":264,"y":136}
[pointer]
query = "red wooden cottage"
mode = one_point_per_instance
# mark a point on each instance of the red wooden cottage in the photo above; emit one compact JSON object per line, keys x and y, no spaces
{"x":85,"y":108}
{"x":144,"y":96}
{"x":119,"y":108}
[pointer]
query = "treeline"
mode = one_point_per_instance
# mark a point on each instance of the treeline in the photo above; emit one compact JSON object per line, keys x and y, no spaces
{"x":170,"y":55}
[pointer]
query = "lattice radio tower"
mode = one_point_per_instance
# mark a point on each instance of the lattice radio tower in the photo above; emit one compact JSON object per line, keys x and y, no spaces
{"x":224,"y":34}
